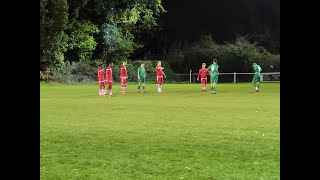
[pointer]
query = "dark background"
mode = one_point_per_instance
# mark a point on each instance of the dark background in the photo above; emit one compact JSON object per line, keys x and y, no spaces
{"x":187,"y":20}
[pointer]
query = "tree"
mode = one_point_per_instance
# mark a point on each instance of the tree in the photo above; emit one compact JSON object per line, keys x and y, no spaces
{"x":126,"y":21}
{"x":119,"y":45}
{"x":81,"y":43}
{"x":53,"y":40}
{"x":70,"y":29}
{"x":240,"y":54}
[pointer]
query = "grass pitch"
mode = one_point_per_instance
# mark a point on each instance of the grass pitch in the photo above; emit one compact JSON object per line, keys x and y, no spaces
{"x":182,"y":133}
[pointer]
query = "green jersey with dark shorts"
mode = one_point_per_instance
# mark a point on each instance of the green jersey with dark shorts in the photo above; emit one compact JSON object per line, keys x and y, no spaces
{"x":213,"y":69}
{"x":256,"y":78}
{"x":142,"y":74}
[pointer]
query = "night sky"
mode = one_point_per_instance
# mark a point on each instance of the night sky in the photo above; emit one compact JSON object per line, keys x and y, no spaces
{"x":188,"y":19}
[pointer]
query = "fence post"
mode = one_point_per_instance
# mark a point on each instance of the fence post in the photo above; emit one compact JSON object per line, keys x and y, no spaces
{"x":234,"y":77}
{"x":190,"y":75}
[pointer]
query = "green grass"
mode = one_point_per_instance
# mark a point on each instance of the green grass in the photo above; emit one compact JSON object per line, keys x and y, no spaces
{"x":182,"y":133}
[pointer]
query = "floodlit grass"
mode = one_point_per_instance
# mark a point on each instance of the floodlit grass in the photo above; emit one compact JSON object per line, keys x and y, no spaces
{"x":182,"y":133}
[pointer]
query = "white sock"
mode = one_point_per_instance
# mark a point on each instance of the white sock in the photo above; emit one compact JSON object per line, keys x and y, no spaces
{"x":110,"y":93}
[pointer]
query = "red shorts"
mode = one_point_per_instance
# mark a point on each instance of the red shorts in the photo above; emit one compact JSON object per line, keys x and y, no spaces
{"x":108,"y":83}
{"x":204,"y":81}
{"x":159,"y":79}
{"x":100,"y":81}
{"x":123,"y":81}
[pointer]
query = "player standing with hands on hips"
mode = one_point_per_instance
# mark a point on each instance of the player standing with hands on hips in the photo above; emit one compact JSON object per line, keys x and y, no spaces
{"x":160,"y":74}
{"x":214,"y":70}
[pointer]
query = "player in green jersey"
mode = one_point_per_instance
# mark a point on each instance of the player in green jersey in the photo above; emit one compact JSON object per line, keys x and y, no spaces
{"x":142,"y":77}
{"x":214,"y":72}
{"x":256,"y":78}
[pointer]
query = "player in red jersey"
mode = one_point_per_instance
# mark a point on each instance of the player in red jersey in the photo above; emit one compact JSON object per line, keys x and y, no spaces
{"x":203,"y":72}
{"x":101,"y":81}
{"x":160,"y":74}
{"x":109,"y":79}
{"x":123,"y":77}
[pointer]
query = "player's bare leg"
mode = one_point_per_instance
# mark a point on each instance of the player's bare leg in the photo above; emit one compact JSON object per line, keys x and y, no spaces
{"x":101,"y":93}
{"x":104,"y":90}
{"x":159,"y":88}
{"x":213,"y":88}
{"x":110,"y":90}
{"x":257,"y":87}
{"x":203,"y":87}
{"x":123,"y":87}
{"x":139,"y":87}
{"x":143,"y":87}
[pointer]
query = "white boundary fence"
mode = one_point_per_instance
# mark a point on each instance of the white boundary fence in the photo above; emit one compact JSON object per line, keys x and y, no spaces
{"x":190,"y":78}
{"x":231,"y":77}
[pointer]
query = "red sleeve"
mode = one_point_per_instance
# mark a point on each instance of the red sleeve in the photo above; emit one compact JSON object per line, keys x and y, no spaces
{"x":199,"y":73}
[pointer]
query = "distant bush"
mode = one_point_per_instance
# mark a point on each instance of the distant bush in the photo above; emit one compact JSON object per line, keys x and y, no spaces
{"x":86,"y":72}
{"x":75,"y":72}
{"x":236,"y":56}
{"x":46,"y":75}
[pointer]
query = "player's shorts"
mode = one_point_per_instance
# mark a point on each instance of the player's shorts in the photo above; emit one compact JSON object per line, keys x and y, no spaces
{"x":214,"y":78}
{"x":256,"y":78}
{"x":142,"y":80}
{"x":101,"y":81}
{"x":159,"y":79}
{"x":123,"y":80}
{"x":108,"y":83}
{"x":204,"y":81}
